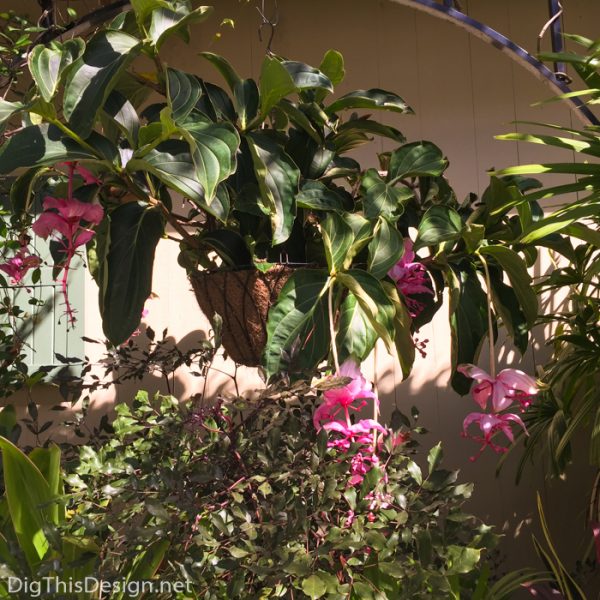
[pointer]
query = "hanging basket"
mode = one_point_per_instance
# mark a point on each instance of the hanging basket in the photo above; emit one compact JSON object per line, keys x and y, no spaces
{"x":242,"y":299}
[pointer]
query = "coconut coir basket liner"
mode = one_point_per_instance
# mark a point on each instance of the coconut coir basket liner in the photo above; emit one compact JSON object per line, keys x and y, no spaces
{"x":242,"y":299}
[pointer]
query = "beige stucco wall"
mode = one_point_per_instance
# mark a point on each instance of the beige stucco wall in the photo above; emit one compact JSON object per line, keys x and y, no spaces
{"x":464,"y":92}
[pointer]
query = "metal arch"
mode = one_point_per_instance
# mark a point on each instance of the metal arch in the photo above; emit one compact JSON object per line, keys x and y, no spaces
{"x":448,"y":13}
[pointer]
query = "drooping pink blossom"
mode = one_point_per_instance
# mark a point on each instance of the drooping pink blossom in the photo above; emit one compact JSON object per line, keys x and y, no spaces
{"x":68,"y":220}
{"x":357,"y":433}
{"x":343,"y":398}
{"x":508,"y":386}
{"x":490,"y":424}
{"x":17,"y":266}
{"x":411,"y":278}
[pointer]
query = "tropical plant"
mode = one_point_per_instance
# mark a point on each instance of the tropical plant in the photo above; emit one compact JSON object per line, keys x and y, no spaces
{"x":266,"y":177}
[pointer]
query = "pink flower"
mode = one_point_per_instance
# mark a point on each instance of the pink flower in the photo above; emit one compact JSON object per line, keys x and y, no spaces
{"x":359,"y":433}
{"x":510,"y":385}
{"x":490,"y":424}
{"x":342,"y":398}
{"x":410,"y":278}
{"x":67,"y":219}
{"x":17,"y":266}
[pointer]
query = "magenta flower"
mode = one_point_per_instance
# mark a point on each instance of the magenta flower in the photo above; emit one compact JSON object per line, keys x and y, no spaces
{"x":65,"y":219}
{"x":509,"y":386}
{"x":343,"y":398}
{"x":359,"y":433}
{"x":411,"y":278}
{"x":490,"y":425}
{"x":17,"y":266}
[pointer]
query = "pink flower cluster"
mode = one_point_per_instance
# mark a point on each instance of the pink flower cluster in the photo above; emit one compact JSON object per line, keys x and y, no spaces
{"x":510,"y":387}
{"x":411,"y":278}
{"x":70,"y":222}
{"x":17,"y":266}
{"x":338,"y":403}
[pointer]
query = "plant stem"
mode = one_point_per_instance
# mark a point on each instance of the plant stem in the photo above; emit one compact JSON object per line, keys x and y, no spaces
{"x":488,"y":290}
{"x":375,"y":400}
{"x":332,"y":328}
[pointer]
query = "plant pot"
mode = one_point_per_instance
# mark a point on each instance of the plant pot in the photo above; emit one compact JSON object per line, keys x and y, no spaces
{"x":242,"y":299}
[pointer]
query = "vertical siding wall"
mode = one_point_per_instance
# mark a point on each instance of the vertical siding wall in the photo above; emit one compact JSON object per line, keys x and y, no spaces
{"x":464,"y":92}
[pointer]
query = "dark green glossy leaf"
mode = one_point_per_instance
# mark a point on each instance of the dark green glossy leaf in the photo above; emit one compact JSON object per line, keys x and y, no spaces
{"x":508,"y":308}
{"x":43,"y":145}
{"x":417,"y":159}
{"x":300,"y":120}
{"x":381,"y":198}
{"x":214,"y":146}
{"x":93,"y":76}
{"x":225,"y":68}
{"x":298,"y":325}
{"x":355,"y":132}
{"x":439,"y":224}
{"x":468,"y":322}
{"x":183,"y":92}
{"x":229,"y":245}
{"x":372,"y":99}
{"x":306,"y":77}
{"x":47,"y":64}
{"x":385,"y":249}
{"x":278,"y":179}
{"x":165,"y":22}
{"x":520,"y":280}
{"x":405,"y":346}
{"x":126,"y":271}
{"x":317,"y":196}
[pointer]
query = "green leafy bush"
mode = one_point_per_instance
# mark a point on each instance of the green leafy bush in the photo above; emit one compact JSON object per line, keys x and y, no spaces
{"x":248,"y":501}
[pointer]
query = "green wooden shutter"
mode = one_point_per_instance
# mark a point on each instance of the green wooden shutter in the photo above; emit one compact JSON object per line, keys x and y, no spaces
{"x":48,"y":333}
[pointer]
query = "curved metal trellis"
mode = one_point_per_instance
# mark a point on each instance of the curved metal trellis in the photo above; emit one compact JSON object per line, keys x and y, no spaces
{"x":447,"y":12}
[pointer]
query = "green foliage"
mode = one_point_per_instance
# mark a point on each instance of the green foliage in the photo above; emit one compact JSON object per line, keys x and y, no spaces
{"x":265,"y":165}
{"x":248,"y":502}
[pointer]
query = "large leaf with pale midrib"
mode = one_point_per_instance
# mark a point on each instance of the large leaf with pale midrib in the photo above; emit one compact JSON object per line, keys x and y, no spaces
{"x":183,"y":92}
{"x":355,"y":337}
{"x":418,"y":159}
{"x":278,"y":179}
{"x":214,"y":146}
{"x":126,"y":271}
{"x":385,"y":249}
{"x":337,"y":239}
{"x":381,"y":198}
{"x":373,"y":300}
{"x":439,"y":224}
{"x":297,"y":329}
{"x":172,"y":163}
{"x":47,"y":64}
{"x":41,"y":145}
{"x":93,"y":76}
